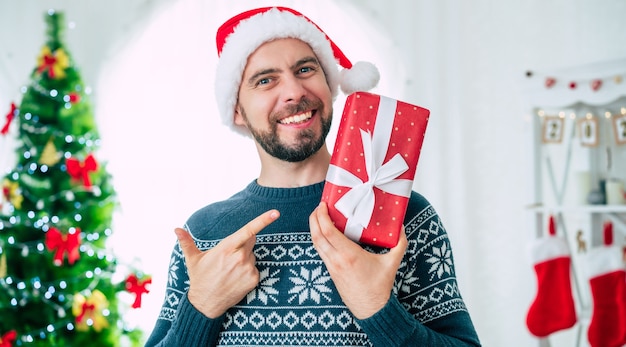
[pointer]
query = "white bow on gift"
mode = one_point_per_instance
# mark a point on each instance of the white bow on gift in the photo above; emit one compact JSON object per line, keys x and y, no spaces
{"x":357,"y":205}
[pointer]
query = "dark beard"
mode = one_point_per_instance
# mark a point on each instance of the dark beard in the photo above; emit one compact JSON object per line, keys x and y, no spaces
{"x":307,"y":143}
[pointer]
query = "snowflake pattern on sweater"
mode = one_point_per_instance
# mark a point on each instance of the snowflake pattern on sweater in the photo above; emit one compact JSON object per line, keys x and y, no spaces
{"x":296,"y":302}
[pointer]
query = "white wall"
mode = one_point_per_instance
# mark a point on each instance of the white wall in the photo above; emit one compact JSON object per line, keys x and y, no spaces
{"x":462,"y":60}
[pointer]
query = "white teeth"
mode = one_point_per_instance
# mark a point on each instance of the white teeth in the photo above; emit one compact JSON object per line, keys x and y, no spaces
{"x":296,"y":118}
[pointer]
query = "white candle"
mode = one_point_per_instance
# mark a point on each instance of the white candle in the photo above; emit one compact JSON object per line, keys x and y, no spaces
{"x":615,"y":192}
{"x":582,"y":186}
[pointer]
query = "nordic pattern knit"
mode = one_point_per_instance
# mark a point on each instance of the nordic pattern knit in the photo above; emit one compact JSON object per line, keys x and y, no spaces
{"x":296,"y":302}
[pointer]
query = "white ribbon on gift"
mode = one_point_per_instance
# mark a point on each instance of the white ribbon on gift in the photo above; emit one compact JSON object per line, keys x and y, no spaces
{"x":357,"y":205}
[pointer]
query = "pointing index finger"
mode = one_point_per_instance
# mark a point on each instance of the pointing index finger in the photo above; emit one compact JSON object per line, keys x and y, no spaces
{"x":250,"y":230}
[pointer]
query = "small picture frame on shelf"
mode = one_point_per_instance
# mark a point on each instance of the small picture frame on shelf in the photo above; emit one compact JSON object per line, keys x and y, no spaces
{"x":588,"y":130}
{"x":552,"y":130}
{"x":619,"y":127}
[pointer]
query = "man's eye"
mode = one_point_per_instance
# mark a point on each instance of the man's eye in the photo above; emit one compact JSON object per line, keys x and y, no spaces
{"x":263,"y":81}
{"x":305,"y":69}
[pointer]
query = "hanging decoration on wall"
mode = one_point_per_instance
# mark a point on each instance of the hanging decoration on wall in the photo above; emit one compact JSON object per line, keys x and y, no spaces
{"x":588,"y":126}
{"x":619,"y":127}
{"x":588,"y":130}
{"x":552,"y":129}
{"x":606,"y":274}
{"x":553,"y":307}
{"x":595,"y":84}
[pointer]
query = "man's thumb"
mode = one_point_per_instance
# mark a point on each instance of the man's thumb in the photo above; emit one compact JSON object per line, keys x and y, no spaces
{"x":186,"y":242}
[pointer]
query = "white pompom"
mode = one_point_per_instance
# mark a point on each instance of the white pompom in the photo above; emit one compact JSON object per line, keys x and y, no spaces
{"x":362,"y":77}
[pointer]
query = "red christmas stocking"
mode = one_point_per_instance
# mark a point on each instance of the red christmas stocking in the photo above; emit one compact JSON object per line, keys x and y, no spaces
{"x":553,"y":308}
{"x":607,"y":277}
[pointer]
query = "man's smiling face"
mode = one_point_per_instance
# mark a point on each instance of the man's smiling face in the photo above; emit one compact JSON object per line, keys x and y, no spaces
{"x":284,"y":100}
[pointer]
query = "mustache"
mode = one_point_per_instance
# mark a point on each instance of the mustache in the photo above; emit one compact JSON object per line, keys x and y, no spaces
{"x":303,"y":105}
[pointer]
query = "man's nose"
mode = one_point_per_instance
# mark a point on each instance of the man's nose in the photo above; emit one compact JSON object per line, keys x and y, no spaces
{"x":293,"y":89}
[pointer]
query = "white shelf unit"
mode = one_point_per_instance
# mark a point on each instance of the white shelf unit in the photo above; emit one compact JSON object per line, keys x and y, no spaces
{"x":567,"y":166}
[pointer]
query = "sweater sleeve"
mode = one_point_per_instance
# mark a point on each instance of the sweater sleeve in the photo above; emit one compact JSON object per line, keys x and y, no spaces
{"x":190,"y":328}
{"x":394,"y":326}
{"x":426,"y":307}
{"x":179,"y":322}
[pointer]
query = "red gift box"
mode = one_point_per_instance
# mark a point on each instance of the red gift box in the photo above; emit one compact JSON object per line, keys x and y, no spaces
{"x":372,"y":167}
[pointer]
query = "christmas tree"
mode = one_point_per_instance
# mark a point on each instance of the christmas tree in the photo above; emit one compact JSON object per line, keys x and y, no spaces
{"x":59,"y":284}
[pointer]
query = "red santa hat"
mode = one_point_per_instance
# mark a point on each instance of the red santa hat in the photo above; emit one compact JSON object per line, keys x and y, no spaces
{"x":241,"y":35}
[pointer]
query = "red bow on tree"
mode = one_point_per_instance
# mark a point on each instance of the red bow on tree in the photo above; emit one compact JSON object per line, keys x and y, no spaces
{"x":9,"y":116}
{"x":137,"y":287}
{"x":8,"y":338}
{"x":47,"y":63}
{"x":54,"y":62}
{"x":78,"y":170}
{"x":63,"y":244}
{"x":87,"y":309}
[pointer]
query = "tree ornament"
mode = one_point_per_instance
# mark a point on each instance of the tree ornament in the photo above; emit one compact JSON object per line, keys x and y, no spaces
{"x":553,"y":308}
{"x":3,"y":265}
{"x":54,"y":63}
{"x":607,"y":278}
{"x":61,"y":244}
{"x":89,"y":311}
{"x":12,"y":193}
{"x":74,"y":98}
{"x":80,"y":170}
{"x":9,"y":118}
{"x":138,"y":287}
{"x":8,"y":338}
{"x":49,"y":156}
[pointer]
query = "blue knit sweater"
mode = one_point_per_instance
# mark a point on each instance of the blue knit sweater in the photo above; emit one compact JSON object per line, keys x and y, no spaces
{"x":296,"y":302}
